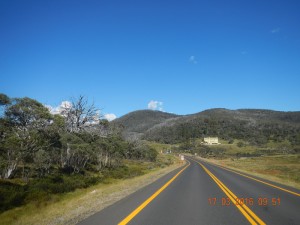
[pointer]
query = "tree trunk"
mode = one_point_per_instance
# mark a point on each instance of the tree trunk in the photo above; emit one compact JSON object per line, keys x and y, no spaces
{"x":10,"y":169}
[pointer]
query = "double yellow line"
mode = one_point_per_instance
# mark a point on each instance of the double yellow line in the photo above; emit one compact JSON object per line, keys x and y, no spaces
{"x":250,"y":216}
{"x":260,"y":181}
{"x":150,"y":199}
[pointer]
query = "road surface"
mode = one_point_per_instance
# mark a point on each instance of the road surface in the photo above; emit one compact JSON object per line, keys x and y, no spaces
{"x":202,"y":193}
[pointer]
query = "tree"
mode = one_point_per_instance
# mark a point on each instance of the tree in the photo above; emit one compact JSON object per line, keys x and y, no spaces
{"x":26,"y":113}
{"x":42,"y":162}
{"x":10,"y":155}
{"x":25,"y":120}
{"x":4,"y":99}
{"x":141,"y":151}
{"x":4,"y":102}
{"x":80,"y":114}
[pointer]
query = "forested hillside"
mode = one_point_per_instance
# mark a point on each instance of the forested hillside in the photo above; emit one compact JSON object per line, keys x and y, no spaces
{"x":252,"y":125}
{"x":134,"y":124}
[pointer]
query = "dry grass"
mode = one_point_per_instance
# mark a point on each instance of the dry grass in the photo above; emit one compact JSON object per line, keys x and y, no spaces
{"x":284,"y":169}
{"x":75,"y":206}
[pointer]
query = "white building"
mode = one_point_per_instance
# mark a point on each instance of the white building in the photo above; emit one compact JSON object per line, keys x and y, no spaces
{"x":211,"y":141}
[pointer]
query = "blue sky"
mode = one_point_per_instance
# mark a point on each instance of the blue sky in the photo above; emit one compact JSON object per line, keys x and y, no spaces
{"x":184,"y":56}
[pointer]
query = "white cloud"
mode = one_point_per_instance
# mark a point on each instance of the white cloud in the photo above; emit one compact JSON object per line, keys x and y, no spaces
{"x":49,"y":107}
{"x":275,"y":30}
{"x":110,"y":116}
{"x":64,"y":105}
{"x":193,"y":60}
{"x":155,"y":105}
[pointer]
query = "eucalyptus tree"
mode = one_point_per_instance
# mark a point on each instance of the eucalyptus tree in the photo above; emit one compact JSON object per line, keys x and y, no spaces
{"x":25,"y":123}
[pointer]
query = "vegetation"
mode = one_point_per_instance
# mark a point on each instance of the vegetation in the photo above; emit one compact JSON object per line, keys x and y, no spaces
{"x":283,"y":169}
{"x":255,"y":127}
{"x":137,"y":122}
{"x":263,"y":142}
{"x":237,"y":149}
{"x":249,"y":137}
{"x":69,"y":208}
{"x":42,"y":154}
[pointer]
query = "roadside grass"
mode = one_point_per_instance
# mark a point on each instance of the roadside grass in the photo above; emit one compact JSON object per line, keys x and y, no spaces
{"x":229,"y":149}
{"x":282,"y":144}
{"x":159,"y":146}
{"x":163,"y":159}
{"x":284,"y":169}
{"x":70,"y":208}
{"x":232,"y":149}
{"x":240,"y":148}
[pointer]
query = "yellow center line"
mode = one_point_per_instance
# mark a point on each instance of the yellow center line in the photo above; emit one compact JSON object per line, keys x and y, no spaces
{"x":242,"y":207}
{"x":150,"y":199}
{"x":263,"y":182}
{"x":246,"y":211}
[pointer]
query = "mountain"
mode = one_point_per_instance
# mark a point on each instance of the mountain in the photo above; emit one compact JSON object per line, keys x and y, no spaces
{"x":252,"y":125}
{"x":136,"y":123}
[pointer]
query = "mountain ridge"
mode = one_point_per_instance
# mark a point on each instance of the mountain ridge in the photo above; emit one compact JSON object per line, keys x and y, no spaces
{"x":137,"y":122}
{"x":247,"y":124}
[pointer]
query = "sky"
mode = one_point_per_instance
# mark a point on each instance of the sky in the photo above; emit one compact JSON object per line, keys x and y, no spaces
{"x":180,"y":57}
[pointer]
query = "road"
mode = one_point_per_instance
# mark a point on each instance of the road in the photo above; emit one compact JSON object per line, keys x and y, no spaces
{"x":203,"y":193}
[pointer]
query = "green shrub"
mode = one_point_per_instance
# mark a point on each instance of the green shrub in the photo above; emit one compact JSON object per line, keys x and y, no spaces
{"x":123,"y":172}
{"x":11,"y":195}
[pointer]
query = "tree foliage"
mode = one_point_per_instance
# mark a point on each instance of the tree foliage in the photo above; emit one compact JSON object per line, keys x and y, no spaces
{"x":35,"y":143}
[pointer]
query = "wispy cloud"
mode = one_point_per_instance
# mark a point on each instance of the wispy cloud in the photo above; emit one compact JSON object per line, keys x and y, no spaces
{"x":275,"y":30}
{"x":155,"y":105}
{"x":244,"y":52}
{"x":192,"y":59}
{"x":110,"y":116}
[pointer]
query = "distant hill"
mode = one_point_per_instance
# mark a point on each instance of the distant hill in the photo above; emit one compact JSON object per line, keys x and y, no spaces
{"x":253,"y":125}
{"x":138,"y":122}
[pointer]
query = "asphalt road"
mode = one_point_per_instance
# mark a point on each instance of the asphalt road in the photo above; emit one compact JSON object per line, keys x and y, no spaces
{"x":202,"y":193}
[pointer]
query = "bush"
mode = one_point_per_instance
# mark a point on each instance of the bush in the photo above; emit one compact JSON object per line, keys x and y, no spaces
{"x":231,"y":141}
{"x":41,"y":190}
{"x":61,"y":184}
{"x":240,"y":144}
{"x":124,"y":172}
{"x":11,"y":195}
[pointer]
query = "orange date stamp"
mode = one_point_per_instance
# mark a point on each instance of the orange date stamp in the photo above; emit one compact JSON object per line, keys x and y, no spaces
{"x":260,"y":201}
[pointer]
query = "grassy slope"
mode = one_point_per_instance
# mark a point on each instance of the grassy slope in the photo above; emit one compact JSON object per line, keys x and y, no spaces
{"x":73,"y":207}
{"x":274,"y":166}
{"x":230,"y":150}
{"x":284,"y":169}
